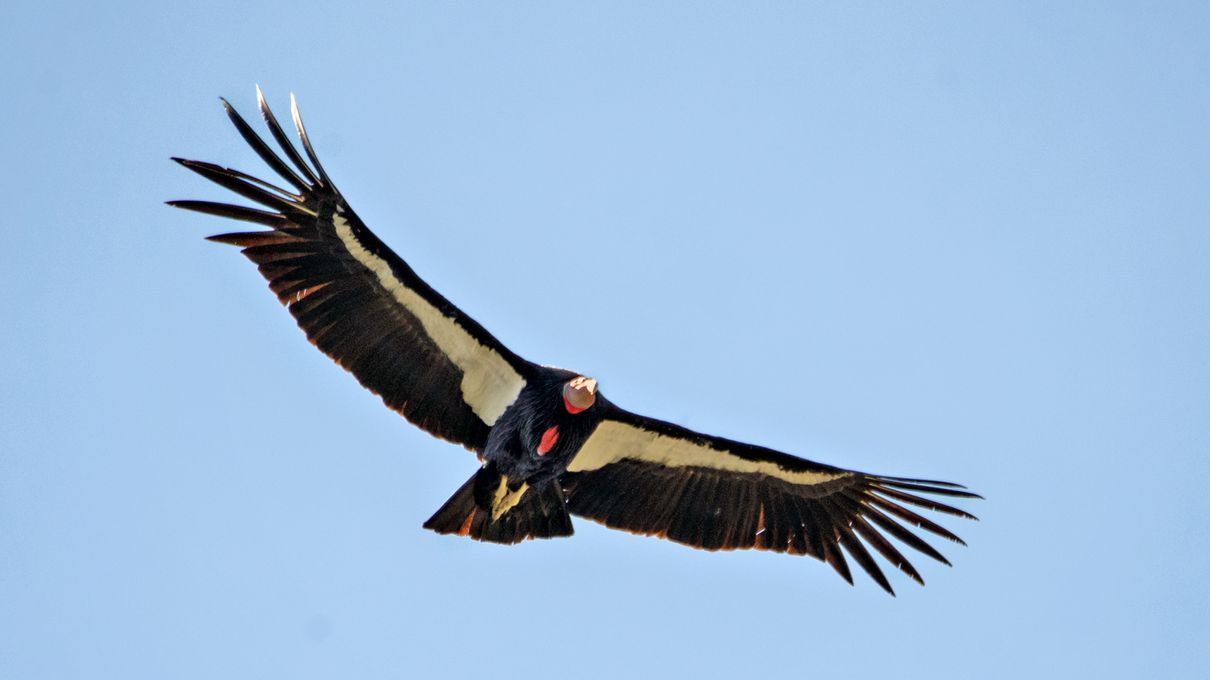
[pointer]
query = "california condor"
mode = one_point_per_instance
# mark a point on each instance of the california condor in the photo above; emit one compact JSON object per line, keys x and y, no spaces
{"x":549,"y":441}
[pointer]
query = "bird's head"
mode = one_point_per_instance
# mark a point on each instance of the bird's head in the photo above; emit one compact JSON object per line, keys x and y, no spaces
{"x":579,"y":394}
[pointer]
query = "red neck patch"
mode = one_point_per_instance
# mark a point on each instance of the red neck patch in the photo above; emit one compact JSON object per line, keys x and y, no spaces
{"x":549,"y":437}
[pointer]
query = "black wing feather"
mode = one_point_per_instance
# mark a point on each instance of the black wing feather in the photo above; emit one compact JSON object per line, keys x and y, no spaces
{"x":282,"y":139}
{"x":262,"y":149}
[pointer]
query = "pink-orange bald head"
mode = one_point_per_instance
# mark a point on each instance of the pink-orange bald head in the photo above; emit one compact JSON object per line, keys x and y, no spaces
{"x":579,"y":394}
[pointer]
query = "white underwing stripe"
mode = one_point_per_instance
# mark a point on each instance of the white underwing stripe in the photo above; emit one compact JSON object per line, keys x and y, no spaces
{"x":613,"y":441}
{"x":489,"y":383}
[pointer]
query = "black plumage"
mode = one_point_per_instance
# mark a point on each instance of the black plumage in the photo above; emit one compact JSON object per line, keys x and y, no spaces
{"x":549,"y":443}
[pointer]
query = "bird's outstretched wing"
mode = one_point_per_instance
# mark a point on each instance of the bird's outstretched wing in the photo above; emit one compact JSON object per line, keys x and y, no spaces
{"x":656,"y":478}
{"x":359,"y":302}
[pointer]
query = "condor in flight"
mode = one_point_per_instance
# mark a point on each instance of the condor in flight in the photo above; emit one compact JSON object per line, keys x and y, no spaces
{"x":550,"y":443}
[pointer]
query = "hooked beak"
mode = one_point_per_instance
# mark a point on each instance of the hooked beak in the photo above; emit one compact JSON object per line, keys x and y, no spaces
{"x":579,"y":394}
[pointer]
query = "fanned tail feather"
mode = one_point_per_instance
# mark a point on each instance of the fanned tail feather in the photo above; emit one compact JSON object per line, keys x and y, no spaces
{"x":541,"y":511}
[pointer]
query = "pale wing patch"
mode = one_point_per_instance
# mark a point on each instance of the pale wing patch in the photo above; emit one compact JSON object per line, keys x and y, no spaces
{"x":489,"y":383}
{"x":614,"y":441}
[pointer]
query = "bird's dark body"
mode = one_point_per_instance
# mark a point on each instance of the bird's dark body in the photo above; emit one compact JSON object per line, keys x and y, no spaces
{"x":550,"y":446}
{"x":513,"y":443}
{"x":519,"y":486}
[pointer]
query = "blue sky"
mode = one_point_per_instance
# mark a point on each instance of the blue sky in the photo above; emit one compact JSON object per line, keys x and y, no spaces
{"x":966,"y":241}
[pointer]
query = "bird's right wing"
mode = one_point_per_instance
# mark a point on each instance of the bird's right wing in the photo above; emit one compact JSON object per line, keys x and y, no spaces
{"x":651,"y":477}
{"x":357,"y":301}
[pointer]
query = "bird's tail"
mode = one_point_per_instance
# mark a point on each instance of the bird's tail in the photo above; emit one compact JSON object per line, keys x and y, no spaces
{"x":491,"y":507}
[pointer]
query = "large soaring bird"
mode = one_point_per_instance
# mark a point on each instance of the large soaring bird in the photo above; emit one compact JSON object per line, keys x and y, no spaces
{"x":549,"y":441}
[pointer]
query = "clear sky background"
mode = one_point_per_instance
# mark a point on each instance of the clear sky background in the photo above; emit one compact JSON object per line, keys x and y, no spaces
{"x":967,"y":241}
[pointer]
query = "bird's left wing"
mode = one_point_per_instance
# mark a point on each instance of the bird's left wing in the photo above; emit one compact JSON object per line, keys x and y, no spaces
{"x":656,"y":478}
{"x":357,"y":301}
